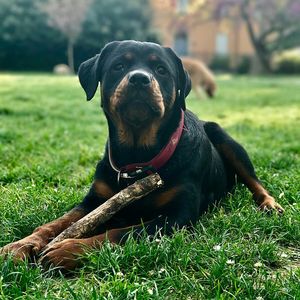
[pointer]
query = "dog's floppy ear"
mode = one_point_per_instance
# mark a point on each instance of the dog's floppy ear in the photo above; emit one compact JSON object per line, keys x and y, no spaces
{"x":90,"y":71}
{"x":184,"y":80}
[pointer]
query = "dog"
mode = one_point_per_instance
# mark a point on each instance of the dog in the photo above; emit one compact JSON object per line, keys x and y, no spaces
{"x":143,"y":89}
{"x":201,"y":76}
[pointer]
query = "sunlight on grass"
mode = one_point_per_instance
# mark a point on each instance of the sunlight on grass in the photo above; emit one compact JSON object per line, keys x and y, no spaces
{"x":50,"y":141}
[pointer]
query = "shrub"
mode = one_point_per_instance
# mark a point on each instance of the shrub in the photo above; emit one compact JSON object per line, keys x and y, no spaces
{"x":220,"y":63}
{"x":287,"y":62}
{"x":244,"y":65}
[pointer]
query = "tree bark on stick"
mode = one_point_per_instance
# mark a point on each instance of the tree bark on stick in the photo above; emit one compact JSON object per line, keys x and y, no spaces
{"x":105,"y":211}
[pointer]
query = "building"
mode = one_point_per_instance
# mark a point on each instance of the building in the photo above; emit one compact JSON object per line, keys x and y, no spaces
{"x":191,"y":35}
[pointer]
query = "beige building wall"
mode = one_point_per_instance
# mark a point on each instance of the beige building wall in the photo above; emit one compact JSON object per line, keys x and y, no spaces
{"x":203,"y":37}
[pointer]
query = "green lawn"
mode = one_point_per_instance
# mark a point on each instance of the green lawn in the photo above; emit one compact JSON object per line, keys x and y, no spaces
{"x":50,"y":142}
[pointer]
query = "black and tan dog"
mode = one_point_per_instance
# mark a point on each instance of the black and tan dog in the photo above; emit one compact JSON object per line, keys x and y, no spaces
{"x":143,"y":90}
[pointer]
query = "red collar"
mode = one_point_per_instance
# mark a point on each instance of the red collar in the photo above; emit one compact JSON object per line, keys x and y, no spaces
{"x":135,"y":169}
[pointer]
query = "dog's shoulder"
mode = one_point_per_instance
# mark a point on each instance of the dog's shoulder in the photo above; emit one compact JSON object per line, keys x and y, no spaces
{"x":194,"y":127}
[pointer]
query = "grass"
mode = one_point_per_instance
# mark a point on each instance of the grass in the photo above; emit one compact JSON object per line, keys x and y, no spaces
{"x":50,"y":141}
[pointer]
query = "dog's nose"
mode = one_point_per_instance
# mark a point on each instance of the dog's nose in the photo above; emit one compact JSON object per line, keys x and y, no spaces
{"x":139,"y":78}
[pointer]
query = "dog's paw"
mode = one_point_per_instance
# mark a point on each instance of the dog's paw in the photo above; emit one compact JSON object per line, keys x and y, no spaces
{"x":65,"y":254}
{"x":269,"y":204}
{"x":24,"y":249}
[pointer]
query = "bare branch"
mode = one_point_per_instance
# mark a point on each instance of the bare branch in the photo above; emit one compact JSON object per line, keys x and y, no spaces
{"x":105,"y":211}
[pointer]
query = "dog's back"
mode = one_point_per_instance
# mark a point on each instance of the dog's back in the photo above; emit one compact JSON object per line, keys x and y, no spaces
{"x":200,"y":75}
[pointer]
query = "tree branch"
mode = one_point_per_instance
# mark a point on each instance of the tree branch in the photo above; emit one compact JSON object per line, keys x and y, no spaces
{"x":105,"y":211}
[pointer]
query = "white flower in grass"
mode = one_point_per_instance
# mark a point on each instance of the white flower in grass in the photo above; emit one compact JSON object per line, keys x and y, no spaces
{"x":259,"y":298}
{"x":256,"y":286}
{"x":258,"y":264}
{"x":157,"y":240}
{"x":217,"y":247}
{"x":230,"y":262}
{"x":283,"y":255}
{"x":150,"y":291}
{"x":120,"y":274}
{"x":162,"y":270}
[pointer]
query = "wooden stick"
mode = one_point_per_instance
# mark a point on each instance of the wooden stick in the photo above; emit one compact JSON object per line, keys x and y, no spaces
{"x":105,"y":211}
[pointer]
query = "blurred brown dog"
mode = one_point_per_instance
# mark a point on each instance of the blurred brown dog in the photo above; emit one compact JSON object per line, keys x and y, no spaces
{"x":201,"y":76}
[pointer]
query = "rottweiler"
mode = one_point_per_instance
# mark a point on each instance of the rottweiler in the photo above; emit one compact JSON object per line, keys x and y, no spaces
{"x":143,"y":89}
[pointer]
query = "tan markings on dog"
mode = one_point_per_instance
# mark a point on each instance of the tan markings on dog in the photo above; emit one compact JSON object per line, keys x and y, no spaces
{"x":117,"y":95}
{"x":52,"y":229}
{"x":128,"y":56}
{"x":119,"y":235}
{"x":125,"y":136}
{"x":201,"y":76}
{"x":102,"y":189}
{"x":174,"y":94}
{"x":153,"y":57}
{"x":157,"y":96}
{"x":166,"y":197}
{"x":259,"y":193}
{"x":145,"y":137}
{"x":254,"y":186}
{"x":148,"y":137}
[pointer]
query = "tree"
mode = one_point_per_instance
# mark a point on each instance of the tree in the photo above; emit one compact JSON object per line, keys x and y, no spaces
{"x":26,"y":41}
{"x":67,"y":16}
{"x":273,"y":25}
{"x":114,"y":20}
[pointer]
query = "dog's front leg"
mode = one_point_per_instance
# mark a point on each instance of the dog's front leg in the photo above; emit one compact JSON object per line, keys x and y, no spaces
{"x":66,"y":254}
{"x":29,"y":246}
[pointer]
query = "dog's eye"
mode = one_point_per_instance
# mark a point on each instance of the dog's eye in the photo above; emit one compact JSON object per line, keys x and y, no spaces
{"x":161,"y":70}
{"x":118,"y":67}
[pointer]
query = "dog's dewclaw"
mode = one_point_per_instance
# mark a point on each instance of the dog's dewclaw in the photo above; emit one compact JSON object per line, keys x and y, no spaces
{"x":105,"y":211}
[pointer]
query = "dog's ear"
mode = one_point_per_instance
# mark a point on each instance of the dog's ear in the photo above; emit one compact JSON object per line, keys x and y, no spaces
{"x":183,"y":78}
{"x":90,"y":71}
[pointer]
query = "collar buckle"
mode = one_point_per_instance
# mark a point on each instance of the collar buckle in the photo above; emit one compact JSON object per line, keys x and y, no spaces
{"x":137,"y":172}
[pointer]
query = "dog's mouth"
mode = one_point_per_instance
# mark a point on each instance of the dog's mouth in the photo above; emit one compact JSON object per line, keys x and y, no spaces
{"x":139,"y":108}
{"x":136,"y":113}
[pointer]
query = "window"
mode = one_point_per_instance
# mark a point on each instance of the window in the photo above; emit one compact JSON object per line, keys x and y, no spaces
{"x":222,"y":44}
{"x":182,"y":6}
{"x":181,"y":44}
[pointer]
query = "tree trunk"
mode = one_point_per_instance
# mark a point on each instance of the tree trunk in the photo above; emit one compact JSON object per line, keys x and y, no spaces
{"x":262,"y":54}
{"x":71,"y":55}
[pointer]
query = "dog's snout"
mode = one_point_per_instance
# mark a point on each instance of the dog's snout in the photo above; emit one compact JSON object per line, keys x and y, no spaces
{"x":139,"y":78}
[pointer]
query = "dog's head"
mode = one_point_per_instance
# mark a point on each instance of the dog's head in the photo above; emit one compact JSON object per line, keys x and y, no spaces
{"x":140,"y":82}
